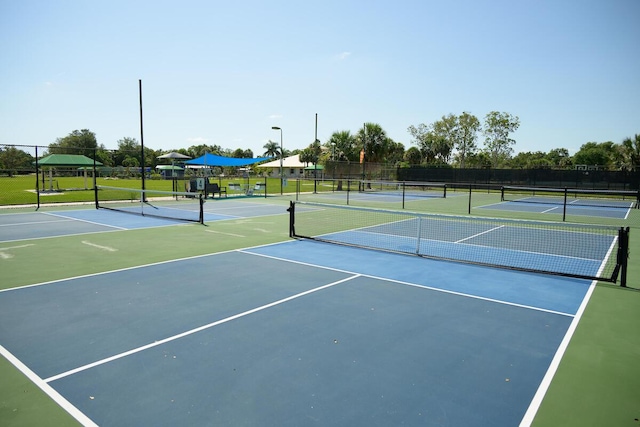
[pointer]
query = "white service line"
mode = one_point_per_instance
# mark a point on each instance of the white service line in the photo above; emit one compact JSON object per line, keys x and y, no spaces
{"x":36,"y":222}
{"x":226,"y":234}
{"x":84,"y":220}
{"x":57,"y":397}
{"x":104,"y":248}
{"x":479,"y":234}
{"x":17,"y":247}
{"x":193,"y":331}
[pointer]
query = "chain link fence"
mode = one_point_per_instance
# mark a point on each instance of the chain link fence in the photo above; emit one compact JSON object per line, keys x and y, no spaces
{"x":583,"y":178}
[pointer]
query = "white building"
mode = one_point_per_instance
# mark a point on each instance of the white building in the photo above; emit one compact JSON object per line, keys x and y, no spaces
{"x":292,"y":167}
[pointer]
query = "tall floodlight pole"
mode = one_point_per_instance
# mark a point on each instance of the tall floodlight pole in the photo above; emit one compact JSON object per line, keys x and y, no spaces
{"x":364,"y":153}
{"x":315,"y":159}
{"x":141,"y":139}
{"x":281,"y":154}
{"x":333,"y":160}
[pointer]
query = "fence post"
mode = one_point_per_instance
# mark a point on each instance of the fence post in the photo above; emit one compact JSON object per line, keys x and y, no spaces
{"x":37,"y":182}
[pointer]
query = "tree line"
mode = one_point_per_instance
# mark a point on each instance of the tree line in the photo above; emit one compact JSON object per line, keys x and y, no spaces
{"x":461,"y":141}
{"x":455,"y":141}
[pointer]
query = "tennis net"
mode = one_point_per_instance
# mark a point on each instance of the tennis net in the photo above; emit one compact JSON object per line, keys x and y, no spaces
{"x":181,"y":206}
{"x":623,"y":199}
{"x":575,"y":250}
{"x":403,"y":188}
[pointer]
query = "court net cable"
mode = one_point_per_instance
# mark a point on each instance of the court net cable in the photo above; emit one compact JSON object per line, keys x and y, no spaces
{"x":594,"y":252}
{"x":176,"y":205}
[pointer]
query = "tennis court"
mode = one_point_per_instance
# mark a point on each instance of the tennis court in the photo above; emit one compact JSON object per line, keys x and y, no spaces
{"x":294,"y":332}
{"x":553,"y":207}
{"x":582,"y":203}
{"x":311,"y":344}
{"x":85,"y":220}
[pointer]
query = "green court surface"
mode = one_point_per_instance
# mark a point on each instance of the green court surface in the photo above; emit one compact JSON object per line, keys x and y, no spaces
{"x":597,"y":381}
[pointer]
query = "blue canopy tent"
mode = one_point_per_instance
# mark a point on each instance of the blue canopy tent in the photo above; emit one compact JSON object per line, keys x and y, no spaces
{"x":213,"y":160}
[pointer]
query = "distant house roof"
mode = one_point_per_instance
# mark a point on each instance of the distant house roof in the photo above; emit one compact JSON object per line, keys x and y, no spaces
{"x":67,"y":160}
{"x":287,"y":162}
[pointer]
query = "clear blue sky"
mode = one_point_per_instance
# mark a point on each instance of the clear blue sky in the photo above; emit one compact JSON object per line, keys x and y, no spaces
{"x":224,"y":73}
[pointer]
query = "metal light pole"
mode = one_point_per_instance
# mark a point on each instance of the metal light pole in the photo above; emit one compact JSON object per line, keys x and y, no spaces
{"x":333,"y":160}
{"x":281,"y":155}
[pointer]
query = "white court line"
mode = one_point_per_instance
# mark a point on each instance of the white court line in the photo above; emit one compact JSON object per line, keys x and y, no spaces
{"x":4,"y":255}
{"x":198,"y":329}
{"x":57,"y":397}
{"x":35,"y":222}
{"x":400,"y":282}
{"x":17,"y":247}
{"x":551,"y":209}
{"x":83,"y":276}
{"x":105,"y":248}
{"x":85,"y":220}
{"x":226,"y":234}
{"x":59,"y":235}
{"x":532,"y":410}
{"x":480,"y":234}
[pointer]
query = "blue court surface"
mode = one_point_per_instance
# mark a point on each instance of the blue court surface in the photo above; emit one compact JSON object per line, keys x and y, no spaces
{"x":34,"y":225}
{"x":554,"y":207}
{"x":293,"y":334}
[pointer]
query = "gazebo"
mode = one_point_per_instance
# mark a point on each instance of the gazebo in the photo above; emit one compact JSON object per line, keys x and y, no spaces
{"x":67,"y":160}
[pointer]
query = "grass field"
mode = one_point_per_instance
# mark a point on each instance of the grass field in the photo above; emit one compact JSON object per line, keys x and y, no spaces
{"x":597,"y":382}
{"x":20,"y":189}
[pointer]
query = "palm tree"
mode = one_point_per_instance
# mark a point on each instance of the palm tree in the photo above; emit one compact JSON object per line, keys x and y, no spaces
{"x":375,"y":142}
{"x":342,"y":146}
{"x":272,"y":149}
{"x":631,"y":152}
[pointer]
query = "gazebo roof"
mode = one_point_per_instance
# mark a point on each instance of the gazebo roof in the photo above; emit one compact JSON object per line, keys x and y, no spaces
{"x":67,"y":160}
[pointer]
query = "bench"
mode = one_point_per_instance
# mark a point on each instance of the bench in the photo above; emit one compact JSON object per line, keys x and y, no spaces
{"x":257,"y":188}
{"x":214,"y":188}
{"x":234,"y":186}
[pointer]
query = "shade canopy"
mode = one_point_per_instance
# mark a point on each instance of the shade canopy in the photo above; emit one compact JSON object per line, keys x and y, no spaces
{"x":212,"y":160}
{"x":67,"y":160}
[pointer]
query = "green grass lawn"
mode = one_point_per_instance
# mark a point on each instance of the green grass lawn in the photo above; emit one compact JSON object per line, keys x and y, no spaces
{"x":20,"y":189}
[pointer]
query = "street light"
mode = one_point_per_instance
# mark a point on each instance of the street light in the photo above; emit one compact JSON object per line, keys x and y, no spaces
{"x":333,"y":161}
{"x":281,"y":154}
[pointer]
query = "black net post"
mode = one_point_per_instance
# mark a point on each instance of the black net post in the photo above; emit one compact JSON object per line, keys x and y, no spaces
{"x":201,"y":203}
{"x":564,"y":206}
{"x":470,"y":189}
{"x":95,"y":179}
{"x":292,"y":216}
{"x":265,"y":187}
{"x":403,"y":193}
{"x":623,"y":254}
{"x":37,"y":184}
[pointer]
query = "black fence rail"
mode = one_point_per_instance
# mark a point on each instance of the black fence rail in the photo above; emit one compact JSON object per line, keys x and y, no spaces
{"x":574,"y":178}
